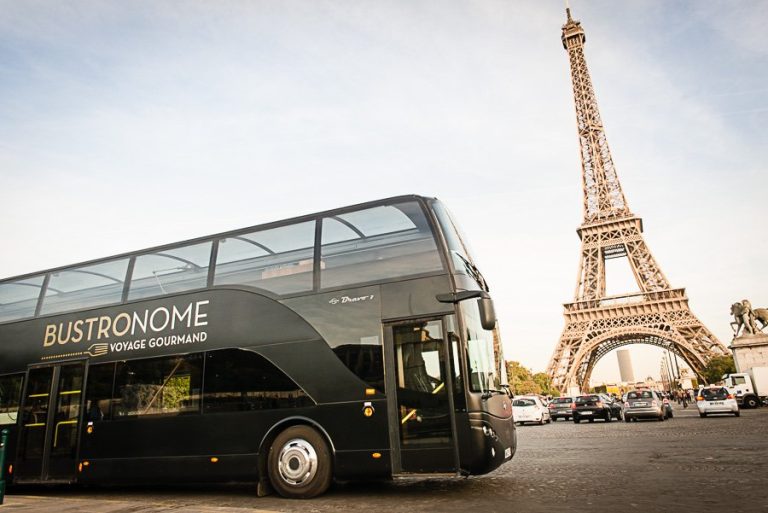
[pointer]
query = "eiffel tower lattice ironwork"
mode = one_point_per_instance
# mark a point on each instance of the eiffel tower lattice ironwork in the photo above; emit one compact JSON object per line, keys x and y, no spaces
{"x":595,"y":324}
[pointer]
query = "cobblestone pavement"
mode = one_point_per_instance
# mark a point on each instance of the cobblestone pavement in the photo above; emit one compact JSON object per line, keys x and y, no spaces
{"x":684,"y":464}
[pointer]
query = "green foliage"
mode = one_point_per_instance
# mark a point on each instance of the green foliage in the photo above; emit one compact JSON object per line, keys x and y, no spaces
{"x":718,"y":366}
{"x":176,"y":392}
{"x":523,"y":381}
{"x":542,"y":379}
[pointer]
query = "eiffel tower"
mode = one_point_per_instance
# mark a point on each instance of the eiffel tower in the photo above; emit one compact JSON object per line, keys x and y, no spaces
{"x":596,"y":324}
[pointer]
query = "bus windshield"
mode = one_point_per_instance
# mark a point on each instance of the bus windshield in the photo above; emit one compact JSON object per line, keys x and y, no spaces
{"x":457,"y":245}
{"x":484,"y":356}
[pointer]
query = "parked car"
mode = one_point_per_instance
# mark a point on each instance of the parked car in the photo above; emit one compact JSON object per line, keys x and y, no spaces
{"x":615,"y":405}
{"x":560,"y":407}
{"x":645,"y":404}
{"x":529,"y":408}
{"x":595,"y":406}
{"x":716,"y":399}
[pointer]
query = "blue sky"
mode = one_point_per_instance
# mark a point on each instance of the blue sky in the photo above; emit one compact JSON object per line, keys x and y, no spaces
{"x":126,"y":125}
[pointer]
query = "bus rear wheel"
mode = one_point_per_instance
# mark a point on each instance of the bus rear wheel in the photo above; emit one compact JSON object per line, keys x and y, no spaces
{"x":299,"y":463}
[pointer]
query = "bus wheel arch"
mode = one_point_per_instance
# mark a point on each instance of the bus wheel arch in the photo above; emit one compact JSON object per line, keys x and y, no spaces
{"x":296,"y":459}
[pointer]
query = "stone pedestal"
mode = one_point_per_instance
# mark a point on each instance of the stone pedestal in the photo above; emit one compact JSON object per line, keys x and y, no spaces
{"x":750,"y":351}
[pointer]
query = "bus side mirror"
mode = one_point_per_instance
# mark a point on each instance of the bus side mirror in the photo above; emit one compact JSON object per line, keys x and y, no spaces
{"x":484,"y":303}
{"x":487,"y":313}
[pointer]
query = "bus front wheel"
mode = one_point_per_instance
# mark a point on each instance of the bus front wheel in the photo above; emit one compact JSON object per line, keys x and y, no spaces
{"x":299,"y":463}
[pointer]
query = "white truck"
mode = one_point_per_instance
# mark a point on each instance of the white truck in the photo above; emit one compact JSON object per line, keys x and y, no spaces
{"x":749,"y":388}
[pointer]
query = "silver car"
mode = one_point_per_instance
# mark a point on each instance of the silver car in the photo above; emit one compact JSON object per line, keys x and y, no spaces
{"x":644,"y":404}
{"x":716,"y":400}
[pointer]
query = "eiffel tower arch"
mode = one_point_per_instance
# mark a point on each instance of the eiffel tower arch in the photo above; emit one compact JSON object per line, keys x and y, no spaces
{"x":595,"y":323}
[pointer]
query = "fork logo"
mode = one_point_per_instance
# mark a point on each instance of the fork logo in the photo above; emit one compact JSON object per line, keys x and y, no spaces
{"x":98,"y":350}
{"x":93,"y":350}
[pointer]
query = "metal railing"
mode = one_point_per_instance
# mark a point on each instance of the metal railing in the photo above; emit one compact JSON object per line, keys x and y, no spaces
{"x":626,"y":299}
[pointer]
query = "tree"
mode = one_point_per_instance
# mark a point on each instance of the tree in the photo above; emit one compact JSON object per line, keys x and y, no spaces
{"x":521,"y":380}
{"x":718,"y":366}
{"x":542,"y":379}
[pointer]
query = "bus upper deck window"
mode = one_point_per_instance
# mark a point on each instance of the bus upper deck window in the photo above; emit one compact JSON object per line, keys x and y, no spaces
{"x":18,"y":298}
{"x":170,"y":271}
{"x":85,"y":286}
{"x":383,"y":242}
{"x":280,"y":260}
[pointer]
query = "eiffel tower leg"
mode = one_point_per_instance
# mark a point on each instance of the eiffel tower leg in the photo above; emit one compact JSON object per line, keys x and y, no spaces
{"x":561,"y":363}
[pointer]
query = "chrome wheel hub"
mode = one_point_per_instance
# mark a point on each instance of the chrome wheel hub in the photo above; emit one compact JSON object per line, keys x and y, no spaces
{"x":297,"y":462}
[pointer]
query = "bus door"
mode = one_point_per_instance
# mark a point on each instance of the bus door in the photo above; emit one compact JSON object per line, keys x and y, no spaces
{"x":420,"y":402}
{"x":50,"y":417}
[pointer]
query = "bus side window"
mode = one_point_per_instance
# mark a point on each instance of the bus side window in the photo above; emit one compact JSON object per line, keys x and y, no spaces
{"x":98,"y":396}
{"x":459,"y":400}
{"x":10,"y":397}
{"x":365,"y":360}
{"x":158,"y":386}
{"x":239,"y":380}
{"x":170,"y":271}
{"x":280,"y":260}
{"x":18,"y":298}
{"x":85,"y":286}
{"x":379,"y":243}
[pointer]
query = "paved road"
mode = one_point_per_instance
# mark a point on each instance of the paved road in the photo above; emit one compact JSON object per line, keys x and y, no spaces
{"x":684,"y":464}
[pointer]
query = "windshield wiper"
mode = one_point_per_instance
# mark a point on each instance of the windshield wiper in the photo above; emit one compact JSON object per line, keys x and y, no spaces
{"x":489,"y":393}
{"x":474,"y":272}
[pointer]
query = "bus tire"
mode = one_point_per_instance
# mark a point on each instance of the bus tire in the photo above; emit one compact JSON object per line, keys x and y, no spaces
{"x":299,"y":463}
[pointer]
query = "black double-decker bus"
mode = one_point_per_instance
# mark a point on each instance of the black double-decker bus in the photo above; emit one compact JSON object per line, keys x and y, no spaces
{"x":356,"y":343}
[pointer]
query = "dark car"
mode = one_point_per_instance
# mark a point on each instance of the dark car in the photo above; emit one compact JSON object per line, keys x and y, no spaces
{"x":560,"y":408}
{"x":595,"y":406}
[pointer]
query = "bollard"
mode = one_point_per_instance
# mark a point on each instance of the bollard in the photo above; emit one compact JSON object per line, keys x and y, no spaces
{"x":3,"y":445}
